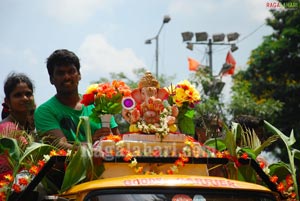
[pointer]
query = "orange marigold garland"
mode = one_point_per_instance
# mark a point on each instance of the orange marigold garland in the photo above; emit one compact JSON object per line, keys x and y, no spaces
{"x":9,"y":183}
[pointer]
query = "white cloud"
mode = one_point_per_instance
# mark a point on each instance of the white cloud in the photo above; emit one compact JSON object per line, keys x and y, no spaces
{"x":99,"y":58}
{"x":191,"y":7}
{"x":258,"y":9}
{"x":70,"y":11}
{"x":255,"y":9}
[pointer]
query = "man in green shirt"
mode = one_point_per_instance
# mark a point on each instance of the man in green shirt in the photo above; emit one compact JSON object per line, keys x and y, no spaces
{"x":57,"y":119}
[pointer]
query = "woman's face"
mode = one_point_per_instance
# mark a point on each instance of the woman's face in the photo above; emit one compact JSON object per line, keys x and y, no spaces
{"x":21,"y":98}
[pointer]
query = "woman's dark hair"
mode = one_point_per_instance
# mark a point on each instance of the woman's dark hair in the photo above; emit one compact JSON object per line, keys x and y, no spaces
{"x":62,"y":57}
{"x":11,"y":82}
{"x":5,"y":111}
{"x":13,"y":79}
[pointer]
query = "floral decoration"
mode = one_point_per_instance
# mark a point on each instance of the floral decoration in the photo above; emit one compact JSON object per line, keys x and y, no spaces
{"x":162,"y":130}
{"x":107,"y":97}
{"x":18,"y":180}
{"x":185,"y":96}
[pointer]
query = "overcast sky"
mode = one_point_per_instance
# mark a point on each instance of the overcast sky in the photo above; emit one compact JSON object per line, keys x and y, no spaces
{"x":109,"y":35}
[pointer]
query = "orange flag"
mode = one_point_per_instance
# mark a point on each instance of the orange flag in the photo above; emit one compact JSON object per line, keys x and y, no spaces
{"x":193,"y":64}
{"x":230,"y":60}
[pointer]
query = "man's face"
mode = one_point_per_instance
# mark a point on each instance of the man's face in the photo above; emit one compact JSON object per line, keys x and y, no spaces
{"x":65,"y":79}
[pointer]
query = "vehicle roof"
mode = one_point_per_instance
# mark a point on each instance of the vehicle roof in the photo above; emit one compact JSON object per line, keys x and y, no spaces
{"x":144,"y":181}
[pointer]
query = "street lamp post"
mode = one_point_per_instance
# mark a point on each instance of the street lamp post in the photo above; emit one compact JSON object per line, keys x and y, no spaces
{"x":156,"y":38}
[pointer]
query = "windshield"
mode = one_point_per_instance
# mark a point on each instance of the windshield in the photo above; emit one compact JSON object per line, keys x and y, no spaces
{"x":172,"y":194}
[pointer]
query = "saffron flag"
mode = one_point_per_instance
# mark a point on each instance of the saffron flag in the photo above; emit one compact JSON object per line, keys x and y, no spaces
{"x":230,"y":60}
{"x":193,"y":64}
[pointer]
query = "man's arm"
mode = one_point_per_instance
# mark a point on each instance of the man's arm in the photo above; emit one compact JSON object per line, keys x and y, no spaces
{"x":57,"y":139}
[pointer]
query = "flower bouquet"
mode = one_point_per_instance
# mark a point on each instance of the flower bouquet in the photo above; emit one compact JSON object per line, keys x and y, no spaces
{"x":107,"y":99}
{"x":185,"y":96}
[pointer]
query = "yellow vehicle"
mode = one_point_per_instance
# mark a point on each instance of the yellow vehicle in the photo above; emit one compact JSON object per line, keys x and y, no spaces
{"x":167,"y":188}
{"x":190,"y":184}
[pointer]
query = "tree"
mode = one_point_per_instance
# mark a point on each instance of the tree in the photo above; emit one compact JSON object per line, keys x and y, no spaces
{"x":274,"y":68}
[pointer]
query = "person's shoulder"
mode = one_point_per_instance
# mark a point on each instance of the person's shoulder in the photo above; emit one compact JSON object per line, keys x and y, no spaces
{"x":48,"y":105}
{"x":7,"y":126}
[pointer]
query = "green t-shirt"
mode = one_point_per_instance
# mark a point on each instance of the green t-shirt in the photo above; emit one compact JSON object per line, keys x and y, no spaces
{"x":54,"y":115}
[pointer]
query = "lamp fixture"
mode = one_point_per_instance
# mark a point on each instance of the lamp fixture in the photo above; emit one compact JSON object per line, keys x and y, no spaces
{"x":201,"y":36}
{"x":148,"y":41}
{"x":187,"y":36}
{"x":233,"y":47}
{"x":166,"y":19}
{"x":218,"y":37}
{"x":232,"y":36}
{"x":190,"y":46}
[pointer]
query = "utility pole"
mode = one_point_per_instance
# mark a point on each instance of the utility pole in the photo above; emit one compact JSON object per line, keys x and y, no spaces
{"x":217,"y":39}
{"x":148,"y":41}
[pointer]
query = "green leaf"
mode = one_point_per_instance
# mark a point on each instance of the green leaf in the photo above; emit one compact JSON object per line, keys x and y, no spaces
{"x":246,"y":173}
{"x":186,"y":125}
{"x":11,"y":146}
{"x":215,"y":143}
{"x":279,"y":169}
{"x":296,"y":153}
{"x":36,"y":150}
{"x":249,"y":151}
{"x":284,"y":138}
{"x":76,"y":170}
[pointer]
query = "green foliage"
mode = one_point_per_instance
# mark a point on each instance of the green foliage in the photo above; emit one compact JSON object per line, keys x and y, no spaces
{"x":245,"y":102}
{"x":81,"y":166}
{"x":76,"y":170}
{"x":105,"y":105}
{"x":186,"y":120}
{"x":215,"y":143}
{"x":273,"y":71}
{"x":10,"y":146}
{"x":288,"y":141}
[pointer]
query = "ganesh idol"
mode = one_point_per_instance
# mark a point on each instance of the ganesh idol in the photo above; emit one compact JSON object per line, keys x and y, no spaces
{"x":147,"y":110}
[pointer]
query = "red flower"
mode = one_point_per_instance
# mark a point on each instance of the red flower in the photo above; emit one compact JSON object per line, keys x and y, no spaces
{"x":274,"y":179}
{"x":219,"y":154}
{"x":128,"y":157}
{"x":280,"y":187}
{"x":244,"y":155}
{"x":23,"y":181}
{"x":3,"y":183}
{"x":34,"y":170}
{"x":261,"y":164}
{"x":156,"y":153}
{"x":8,"y":177}
{"x":289,"y":180}
{"x":2,"y":196}
{"x":293,"y":195}
{"x":16,"y":188}
{"x":41,"y":163}
{"x":179,"y":163}
{"x":53,"y":153}
{"x":88,"y":99}
{"x":62,"y":152}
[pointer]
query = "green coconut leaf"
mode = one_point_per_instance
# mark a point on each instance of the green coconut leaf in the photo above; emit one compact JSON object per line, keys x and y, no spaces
{"x":10,"y":145}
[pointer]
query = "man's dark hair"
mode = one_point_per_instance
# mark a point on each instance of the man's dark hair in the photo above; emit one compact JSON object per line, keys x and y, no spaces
{"x":62,"y":57}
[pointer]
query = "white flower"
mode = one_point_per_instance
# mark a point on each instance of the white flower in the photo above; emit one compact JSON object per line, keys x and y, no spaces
{"x":46,"y":158}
